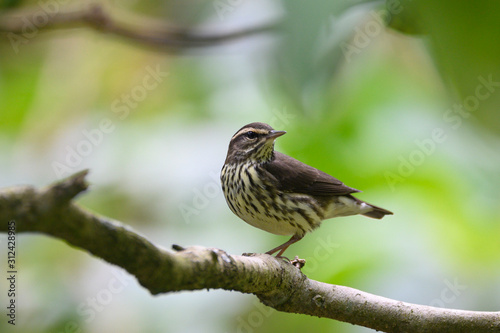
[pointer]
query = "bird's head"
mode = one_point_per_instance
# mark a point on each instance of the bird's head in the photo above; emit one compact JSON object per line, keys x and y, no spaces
{"x":253,"y":142}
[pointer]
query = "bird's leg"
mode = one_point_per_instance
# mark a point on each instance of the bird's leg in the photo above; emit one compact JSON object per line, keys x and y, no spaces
{"x":284,"y":246}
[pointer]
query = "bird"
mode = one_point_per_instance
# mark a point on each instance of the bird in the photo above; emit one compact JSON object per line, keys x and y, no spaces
{"x":279,"y":194}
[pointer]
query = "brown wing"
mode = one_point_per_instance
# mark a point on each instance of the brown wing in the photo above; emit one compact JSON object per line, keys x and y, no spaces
{"x":294,"y":176}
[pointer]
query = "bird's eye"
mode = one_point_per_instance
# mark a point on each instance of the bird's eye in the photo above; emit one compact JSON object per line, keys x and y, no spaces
{"x":251,"y":135}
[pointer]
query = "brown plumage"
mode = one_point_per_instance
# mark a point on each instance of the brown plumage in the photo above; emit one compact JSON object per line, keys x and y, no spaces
{"x":279,"y":194}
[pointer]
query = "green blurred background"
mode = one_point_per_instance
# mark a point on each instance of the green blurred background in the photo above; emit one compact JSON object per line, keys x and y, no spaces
{"x":407,"y":113}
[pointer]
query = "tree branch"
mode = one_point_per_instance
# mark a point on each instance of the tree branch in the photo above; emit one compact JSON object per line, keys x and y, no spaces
{"x":275,"y":282}
{"x":137,"y":29}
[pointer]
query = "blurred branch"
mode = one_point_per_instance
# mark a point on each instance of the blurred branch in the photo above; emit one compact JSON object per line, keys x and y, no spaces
{"x":275,"y":282}
{"x":137,"y":29}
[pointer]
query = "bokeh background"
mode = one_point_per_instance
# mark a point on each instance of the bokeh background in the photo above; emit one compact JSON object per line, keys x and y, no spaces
{"x":399,"y":99}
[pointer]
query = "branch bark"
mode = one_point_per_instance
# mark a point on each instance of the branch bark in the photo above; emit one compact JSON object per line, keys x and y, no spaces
{"x":135,"y":28}
{"x":275,"y":282}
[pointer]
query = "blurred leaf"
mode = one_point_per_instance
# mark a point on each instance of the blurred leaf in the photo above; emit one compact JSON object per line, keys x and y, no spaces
{"x":464,"y":41}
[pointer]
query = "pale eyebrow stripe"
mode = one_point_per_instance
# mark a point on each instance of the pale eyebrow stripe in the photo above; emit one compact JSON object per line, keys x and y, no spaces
{"x":245,"y":130}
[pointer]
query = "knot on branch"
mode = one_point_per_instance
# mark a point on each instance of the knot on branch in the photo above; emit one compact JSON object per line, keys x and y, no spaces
{"x":97,"y":17}
{"x":65,"y":190}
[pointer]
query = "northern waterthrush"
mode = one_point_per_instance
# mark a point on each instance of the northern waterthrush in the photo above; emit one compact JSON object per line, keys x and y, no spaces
{"x":279,"y":194}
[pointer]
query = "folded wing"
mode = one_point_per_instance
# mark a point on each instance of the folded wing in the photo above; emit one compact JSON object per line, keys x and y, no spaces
{"x":294,"y":176}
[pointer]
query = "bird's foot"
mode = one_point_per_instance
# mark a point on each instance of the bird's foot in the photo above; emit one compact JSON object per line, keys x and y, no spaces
{"x":283,"y":257}
{"x":297,"y":262}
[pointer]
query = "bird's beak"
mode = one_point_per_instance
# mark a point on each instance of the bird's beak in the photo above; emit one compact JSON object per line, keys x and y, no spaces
{"x":274,"y":134}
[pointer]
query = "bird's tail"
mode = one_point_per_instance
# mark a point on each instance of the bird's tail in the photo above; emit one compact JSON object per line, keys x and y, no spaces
{"x":377,"y":212}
